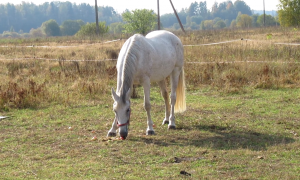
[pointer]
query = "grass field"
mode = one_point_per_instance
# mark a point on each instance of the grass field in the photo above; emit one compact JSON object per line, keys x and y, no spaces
{"x":242,"y":119}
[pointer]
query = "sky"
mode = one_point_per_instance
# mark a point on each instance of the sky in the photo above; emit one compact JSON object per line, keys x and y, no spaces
{"x":165,"y":7}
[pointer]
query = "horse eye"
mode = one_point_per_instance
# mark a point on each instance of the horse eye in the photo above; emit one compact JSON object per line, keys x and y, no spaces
{"x":128,"y":110}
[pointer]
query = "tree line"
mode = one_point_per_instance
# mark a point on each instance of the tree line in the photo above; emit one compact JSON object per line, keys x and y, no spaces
{"x":25,"y":16}
{"x":68,"y":18}
{"x":220,"y":15}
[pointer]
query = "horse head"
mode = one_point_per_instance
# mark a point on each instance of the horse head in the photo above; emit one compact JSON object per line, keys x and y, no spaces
{"x":122,"y":111}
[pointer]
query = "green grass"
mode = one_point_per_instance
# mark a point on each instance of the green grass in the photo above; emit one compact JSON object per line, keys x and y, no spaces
{"x":219,"y":136}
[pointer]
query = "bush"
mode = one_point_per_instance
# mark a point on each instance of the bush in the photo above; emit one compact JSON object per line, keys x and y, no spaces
{"x":116,"y":28}
{"x":71,"y":27}
{"x":90,"y":29}
{"x":7,"y":34}
{"x":219,"y":25}
{"x":51,"y":28}
{"x":37,"y":32}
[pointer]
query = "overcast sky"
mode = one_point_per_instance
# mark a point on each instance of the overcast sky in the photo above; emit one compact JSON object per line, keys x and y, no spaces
{"x":165,"y":7}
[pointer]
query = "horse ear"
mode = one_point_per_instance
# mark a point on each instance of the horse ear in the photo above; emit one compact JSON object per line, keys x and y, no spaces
{"x":114,"y":95}
{"x":128,"y":94}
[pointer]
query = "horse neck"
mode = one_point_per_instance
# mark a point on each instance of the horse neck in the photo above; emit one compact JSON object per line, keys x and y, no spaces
{"x":125,"y":78}
{"x":129,"y":56}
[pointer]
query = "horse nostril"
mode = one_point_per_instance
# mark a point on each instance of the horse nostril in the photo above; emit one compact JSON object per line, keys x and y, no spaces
{"x":122,"y":138}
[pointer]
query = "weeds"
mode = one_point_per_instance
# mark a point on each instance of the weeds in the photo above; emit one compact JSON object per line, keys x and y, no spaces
{"x":27,"y":96}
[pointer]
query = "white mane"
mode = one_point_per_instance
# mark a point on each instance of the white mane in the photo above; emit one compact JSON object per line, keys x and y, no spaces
{"x":129,"y":64}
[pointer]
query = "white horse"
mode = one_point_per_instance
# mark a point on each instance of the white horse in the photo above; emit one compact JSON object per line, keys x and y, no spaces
{"x":143,"y":60}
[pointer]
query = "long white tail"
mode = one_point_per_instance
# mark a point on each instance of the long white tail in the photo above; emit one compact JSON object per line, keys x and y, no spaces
{"x":180,"y":105}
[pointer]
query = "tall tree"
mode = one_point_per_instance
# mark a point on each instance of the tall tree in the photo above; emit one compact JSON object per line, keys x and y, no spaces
{"x":266,"y":20}
{"x":11,"y":14}
{"x":51,"y":28}
{"x":242,"y":7}
{"x":52,"y":11}
{"x":65,"y":12}
{"x":3,"y":19}
{"x":289,"y":12}
{"x":139,"y":21}
{"x":244,"y":21}
{"x":71,"y":27}
{"x":193,"y":9}
{"x":203,"y":11}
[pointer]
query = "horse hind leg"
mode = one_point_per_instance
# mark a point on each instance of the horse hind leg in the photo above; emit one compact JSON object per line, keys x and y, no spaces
{"x":164,"y":93}
{"x":174,"y":83}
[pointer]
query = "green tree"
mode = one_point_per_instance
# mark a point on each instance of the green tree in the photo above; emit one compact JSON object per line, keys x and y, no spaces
{"x":139,"y":21}
{"x":270,"y":20}
{"x":202,"y":26}
{"x":168,"y":20}
{"x":254,"y":20}
{"x":71,"y":27}
{"x":65,"y":11}
{"x":194,"y":26}
{"x":90,"y":29}
{"x":203,"y":11}
{"x":244,"y":21}
{"x":289,"y":12}
{"x":193,"y":9}
{"x":208,"y":24}
{"x":217,"y":19}
{"x":116,"y":28}
{"x":219,"y":25}
{"x":242,"y":7}
{"x":51,"y":28}
{"x":233,"y":24}
{"x":196,"y":19}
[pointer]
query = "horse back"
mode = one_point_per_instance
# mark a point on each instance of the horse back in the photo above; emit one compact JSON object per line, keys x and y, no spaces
{"x":165,"y":55}
{"x":166,"y":44}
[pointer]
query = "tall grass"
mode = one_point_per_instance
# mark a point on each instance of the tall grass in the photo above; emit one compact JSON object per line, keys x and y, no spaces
{"x":35,"y":83}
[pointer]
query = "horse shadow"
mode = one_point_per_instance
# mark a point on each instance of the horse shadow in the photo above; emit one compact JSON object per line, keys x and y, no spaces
{"x":221,"y":138}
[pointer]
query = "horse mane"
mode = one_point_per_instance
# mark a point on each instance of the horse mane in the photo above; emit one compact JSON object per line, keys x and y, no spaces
{"x":129,"y":65}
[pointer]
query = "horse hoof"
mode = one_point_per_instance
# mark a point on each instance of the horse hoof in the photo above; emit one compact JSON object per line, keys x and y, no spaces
{"x":111,"y":134}
{"x":165,"y":122}
{"x":150,"y":132}
{"x":171,"y":127}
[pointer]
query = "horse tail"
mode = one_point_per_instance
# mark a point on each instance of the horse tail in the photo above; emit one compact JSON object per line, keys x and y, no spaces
{"x":180,"y":105}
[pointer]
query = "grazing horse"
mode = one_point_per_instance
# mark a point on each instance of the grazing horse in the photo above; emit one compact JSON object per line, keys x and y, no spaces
{"x":143,"y":60}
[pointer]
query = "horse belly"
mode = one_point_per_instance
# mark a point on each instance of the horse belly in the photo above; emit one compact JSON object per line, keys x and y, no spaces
{"x":161,"y":71}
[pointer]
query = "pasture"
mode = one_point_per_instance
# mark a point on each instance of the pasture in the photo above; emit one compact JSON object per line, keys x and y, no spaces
{"x":242,"y":119}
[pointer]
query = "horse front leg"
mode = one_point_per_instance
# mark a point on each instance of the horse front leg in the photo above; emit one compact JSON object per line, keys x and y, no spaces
{"x":164,"y":93}
{"x":113,"y":131}
{"x":147,"y":106}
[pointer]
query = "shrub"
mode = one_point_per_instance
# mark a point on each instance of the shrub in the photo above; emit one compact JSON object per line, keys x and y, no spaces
{"x":51,"y":28}
{"x":90,"y":29}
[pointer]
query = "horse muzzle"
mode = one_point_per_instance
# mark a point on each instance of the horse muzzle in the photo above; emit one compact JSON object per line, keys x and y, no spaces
{"x":123,"y":129}
{"x":123,"y":132}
